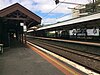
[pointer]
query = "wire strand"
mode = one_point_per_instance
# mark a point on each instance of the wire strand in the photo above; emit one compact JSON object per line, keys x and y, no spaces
{"x":52,"y":10}
{"x":64,"y":15}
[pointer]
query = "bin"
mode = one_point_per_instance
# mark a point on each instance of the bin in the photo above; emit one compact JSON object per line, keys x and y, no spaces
{"x":1,"y":48}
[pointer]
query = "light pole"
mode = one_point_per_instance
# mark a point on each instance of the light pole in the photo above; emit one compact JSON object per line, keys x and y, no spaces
{"x":94,"y":6}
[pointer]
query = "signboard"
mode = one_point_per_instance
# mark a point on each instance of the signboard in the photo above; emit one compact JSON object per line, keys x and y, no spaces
{"x":72,"y":32}
{"x":82,"y":32}
{"x":93,"y":32}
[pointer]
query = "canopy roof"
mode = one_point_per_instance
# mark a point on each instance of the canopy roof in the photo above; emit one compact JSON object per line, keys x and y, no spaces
{"x":17,"y":12}
{"x":73,"y":21}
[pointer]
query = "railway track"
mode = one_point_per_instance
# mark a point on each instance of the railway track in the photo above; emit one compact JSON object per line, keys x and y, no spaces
{"x":89,"y":60}
{"x":76,"y":47}
{"x":93,"y":49}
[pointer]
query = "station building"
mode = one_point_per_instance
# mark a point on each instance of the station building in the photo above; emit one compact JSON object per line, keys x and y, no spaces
{"x":12,"y":21}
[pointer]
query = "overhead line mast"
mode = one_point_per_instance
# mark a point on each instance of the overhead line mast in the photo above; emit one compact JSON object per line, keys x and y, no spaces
{"x":94,"y":6}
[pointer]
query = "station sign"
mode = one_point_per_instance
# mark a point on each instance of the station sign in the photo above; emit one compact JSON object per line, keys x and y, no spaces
{"x":82,"y":32}
{"x":93,"y":32}
{"x":72,"y":32}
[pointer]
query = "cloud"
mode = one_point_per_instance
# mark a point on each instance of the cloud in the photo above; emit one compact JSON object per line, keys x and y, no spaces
{"x":64,"y":18}
{"x":43,"y":7}
{"x":49,"y":21}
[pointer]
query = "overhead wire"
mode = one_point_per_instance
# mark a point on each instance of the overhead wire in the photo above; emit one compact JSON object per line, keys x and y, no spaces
{"x":69,"y":13}
{"x":57,"y":7}
{"x":64,"y":15}
{"x":52,"y":10}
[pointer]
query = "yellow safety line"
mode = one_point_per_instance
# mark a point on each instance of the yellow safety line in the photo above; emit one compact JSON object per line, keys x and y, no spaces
{"x":61,"y":65}
{"x":66,"y":68}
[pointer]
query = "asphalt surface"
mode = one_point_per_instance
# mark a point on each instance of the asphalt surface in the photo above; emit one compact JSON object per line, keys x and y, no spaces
{"x":21,"y":60}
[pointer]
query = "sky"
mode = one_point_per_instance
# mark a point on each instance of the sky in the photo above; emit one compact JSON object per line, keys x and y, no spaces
{"x":46,"y":9}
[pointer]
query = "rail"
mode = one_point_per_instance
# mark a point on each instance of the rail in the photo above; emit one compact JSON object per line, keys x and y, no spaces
{"x":88,"y":60}
{"x":71,"y":41}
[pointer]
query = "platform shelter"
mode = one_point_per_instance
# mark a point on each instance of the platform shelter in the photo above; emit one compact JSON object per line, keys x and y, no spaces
{"x":12,"y":21}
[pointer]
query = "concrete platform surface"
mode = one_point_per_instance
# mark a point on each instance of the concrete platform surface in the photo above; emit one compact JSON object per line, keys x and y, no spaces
{"x":21,"y":60}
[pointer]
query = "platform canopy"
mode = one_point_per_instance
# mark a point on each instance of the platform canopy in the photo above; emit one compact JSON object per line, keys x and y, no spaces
{"x":18,"y":13}
{"x":15,"y":20}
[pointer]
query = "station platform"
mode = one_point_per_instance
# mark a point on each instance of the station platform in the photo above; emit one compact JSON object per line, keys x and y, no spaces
{"x":23,"y":59}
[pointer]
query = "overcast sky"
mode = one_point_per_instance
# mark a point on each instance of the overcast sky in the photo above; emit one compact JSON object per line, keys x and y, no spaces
{"x":43,"y":7}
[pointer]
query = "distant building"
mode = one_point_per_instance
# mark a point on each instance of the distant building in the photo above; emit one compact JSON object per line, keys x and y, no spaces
{"x":88,"y":9}
{"x":92,"y":7}
{"x":76,"y":11}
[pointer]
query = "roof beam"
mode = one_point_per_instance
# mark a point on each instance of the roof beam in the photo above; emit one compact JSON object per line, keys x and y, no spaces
{"x":16,"y":18}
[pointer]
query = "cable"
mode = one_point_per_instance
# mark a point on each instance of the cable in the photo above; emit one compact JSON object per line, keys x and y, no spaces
{"x":64,"y":15}
{"x":52,"y":10}
{"x":69,"y":13}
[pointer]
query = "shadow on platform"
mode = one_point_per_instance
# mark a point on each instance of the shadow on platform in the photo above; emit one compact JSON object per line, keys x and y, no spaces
{"x":18,"y":59}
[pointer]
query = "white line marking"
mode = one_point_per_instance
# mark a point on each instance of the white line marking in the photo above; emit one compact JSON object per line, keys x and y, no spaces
{"x":77,"y":66}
